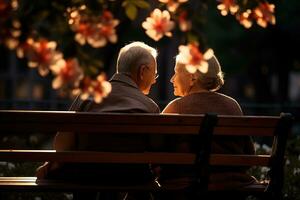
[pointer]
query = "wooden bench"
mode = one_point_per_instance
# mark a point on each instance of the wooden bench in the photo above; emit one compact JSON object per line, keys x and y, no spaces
{"x":202,"y":127}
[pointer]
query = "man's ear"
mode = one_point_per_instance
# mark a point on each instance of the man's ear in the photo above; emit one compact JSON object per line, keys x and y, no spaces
{"x":142,"y":72}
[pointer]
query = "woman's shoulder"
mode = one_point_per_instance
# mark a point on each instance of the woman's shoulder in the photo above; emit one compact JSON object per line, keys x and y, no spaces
{"x":230,"y":102}
{"x":226,"y":97}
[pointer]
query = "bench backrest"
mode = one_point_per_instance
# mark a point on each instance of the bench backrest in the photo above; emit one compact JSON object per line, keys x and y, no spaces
{"x":201,"y":126}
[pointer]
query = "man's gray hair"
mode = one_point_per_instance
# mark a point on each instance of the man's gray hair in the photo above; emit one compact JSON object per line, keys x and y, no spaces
{"x":133,"y":55}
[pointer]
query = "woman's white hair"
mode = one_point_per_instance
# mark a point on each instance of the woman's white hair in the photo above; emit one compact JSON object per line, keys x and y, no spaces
{"x":214,"y":78}
{"x":133,"y":55}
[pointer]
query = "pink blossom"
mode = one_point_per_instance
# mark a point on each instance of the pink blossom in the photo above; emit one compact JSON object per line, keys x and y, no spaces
{"x":158,"y":24}
{"x":41,"y":54}
{"x":193,"y":58}
{"x":96,"y":89}
{"x":264,"y":14}
{"x":67,"y":72}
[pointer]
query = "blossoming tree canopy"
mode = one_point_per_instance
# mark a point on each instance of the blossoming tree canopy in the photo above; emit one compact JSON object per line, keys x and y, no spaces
{"x":97,"y":26}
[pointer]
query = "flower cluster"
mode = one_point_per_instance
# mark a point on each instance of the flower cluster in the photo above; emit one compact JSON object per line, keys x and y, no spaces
{"x":262,"y":14}
{"x":94,"y":30}
{"x":95,"y":89}
{"x":67,"y":72}
{"x":193,"y":58}
{"x":159,"y":22}
{"x":42,"y":54}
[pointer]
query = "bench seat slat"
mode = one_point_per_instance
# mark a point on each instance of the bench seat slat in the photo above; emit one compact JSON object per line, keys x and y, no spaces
{"x":18,"y":183}
{"x":253,"y":188}
{"x":96,"y":157}
{"x":147,"y":157}
{"x":248,"y":121}
{"x":240,"y":160}
{"x":237,"y":131}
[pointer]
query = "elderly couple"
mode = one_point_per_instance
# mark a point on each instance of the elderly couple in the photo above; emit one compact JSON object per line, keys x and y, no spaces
{"x":136,"y":72}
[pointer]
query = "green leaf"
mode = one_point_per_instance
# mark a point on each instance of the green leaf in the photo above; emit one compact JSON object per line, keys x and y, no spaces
{"x":142,"y":4}
{"x":94,"y":69}
{"x":192,"y":37}
{"x":131,"y":11}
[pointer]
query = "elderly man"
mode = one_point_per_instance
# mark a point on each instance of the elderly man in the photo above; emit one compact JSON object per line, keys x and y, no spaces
{"x":136,"y":72}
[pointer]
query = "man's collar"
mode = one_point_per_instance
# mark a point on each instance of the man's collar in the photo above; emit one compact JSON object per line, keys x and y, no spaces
{"x":118,"y":77}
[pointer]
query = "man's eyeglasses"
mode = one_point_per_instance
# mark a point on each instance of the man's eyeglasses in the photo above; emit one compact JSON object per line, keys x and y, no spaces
{"x":156,"y":74}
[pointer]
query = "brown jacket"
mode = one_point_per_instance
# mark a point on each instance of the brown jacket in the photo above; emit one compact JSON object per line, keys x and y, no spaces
{"x":125,"y":97}
{"x":213,"y":102}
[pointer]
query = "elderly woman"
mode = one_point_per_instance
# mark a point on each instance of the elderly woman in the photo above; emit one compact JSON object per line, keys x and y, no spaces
{"x":198,"y":95}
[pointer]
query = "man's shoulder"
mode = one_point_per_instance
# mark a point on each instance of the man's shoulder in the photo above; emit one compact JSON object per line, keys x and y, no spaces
{"x":133,"y":94}
{"x":142,"y":101}
{"x":155,"y":108}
